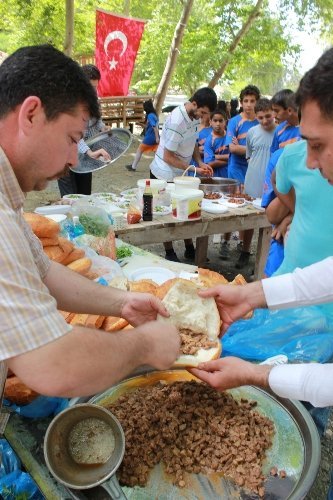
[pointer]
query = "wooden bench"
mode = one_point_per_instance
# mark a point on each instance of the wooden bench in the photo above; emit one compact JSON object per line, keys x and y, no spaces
{"x":123,"y":111}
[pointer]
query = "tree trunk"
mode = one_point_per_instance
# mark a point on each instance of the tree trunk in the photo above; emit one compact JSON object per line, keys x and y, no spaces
{"x":126,"y":9}
{"x":236,"y":41}
{"x":173,"y":55}
{"x":69,"y":35}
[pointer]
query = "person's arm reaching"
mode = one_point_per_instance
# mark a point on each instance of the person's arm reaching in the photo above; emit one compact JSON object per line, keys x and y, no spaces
{"x":305,"y":382}
{"x":172,"y":159}
{"x":311,"y":285}
{"x":75,"y":293}
{"x":86,"y":361}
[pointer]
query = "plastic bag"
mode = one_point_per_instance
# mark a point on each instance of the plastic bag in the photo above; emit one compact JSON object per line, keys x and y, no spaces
{"x":303,"y":334}
{"x":94,"y":219}
{"x":19,"y":484}
{"x":42,"y":406}
{"x":9,"y":460}
{"x":14,"y":482}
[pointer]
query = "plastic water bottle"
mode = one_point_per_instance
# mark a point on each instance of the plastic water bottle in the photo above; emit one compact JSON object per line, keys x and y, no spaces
{"x":78,"y":229}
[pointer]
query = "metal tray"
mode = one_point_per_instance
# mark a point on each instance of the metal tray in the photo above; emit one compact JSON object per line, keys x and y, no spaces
{"x":219,"y":185}
{"x":115,"y":141}
{"x":296,"y":448}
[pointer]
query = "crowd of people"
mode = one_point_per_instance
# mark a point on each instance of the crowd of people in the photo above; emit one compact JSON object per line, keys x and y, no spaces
{"x":46,"y":104}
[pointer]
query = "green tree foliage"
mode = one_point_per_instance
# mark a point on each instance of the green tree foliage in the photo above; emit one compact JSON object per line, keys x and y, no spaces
{"x":260,"y":57}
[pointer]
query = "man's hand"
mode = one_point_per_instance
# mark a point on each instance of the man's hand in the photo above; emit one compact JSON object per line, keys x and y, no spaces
{"x":163,"y":344}
{"x":138,"y":308}
{"x":99,"y":152}
{"x":205,"y":170}
{"x":234,"y":302}
{"x":226,"y":373}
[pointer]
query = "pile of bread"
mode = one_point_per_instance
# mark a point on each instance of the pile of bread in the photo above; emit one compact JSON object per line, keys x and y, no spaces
{"x":57,"y":248}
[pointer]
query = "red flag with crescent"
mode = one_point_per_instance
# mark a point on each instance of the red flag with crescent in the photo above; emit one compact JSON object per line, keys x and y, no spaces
{"x":117,"y":42}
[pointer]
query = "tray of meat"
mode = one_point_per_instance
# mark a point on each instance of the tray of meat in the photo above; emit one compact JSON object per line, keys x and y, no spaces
{"x":186,"y":440}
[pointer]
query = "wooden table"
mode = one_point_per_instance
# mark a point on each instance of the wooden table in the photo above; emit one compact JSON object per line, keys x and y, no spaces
{"x":166,"y":228}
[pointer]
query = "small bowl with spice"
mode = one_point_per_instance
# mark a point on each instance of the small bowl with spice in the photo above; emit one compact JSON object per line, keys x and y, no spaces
{"x":83,"y":447}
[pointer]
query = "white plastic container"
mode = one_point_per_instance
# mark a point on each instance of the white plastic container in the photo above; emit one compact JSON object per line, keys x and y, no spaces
{"x":186,"y":204}
{"x":186,"y":182}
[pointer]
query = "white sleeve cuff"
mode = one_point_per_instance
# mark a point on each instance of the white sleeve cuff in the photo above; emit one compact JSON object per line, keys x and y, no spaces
{"x":279,"y":291}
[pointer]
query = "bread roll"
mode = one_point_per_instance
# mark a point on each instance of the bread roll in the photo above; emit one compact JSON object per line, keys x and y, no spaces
{"x":17,"y":392}
{"x":144,"y":286}
{"x":193,"y":314}
{"x":113,"y":324}
{"x":210,"y":278}
{"x":49,"y":242}
{"x":55,"y":253}
{"x":80,"y":266}
{"x":76,"y":253}
{"x":42,"y":226}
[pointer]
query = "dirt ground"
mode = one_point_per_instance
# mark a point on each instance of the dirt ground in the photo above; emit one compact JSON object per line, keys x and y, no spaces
{"x":115,"y":179}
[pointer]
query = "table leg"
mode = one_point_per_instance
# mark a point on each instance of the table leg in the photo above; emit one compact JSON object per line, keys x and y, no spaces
{"x":264,"y":239}
{"x":201,"y":246}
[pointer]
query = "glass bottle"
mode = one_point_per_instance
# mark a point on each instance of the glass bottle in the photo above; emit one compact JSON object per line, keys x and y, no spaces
{"x":147,"y":211}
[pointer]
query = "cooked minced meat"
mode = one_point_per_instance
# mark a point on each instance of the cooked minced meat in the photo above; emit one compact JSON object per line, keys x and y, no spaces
{"x":191,"y":342}
{"x":192,"y":428}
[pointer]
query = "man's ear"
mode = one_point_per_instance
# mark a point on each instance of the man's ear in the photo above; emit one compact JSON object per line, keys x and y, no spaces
{"x":30,"y":113}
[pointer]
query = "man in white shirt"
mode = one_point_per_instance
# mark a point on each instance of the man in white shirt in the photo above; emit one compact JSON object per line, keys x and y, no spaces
{"x":312,"y":285}
{"x":177,"y":147}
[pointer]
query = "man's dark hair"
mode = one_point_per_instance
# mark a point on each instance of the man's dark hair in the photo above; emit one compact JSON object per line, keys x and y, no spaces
{"x":250,"y":90}
{"x":316,"y":85}
{"x":263,"y":104}
{"x":91,"y":71}
{"x":205,"y":97}
{"x":47,"y":73}
{"x":281,"y":98}
{"x":219,"y":111}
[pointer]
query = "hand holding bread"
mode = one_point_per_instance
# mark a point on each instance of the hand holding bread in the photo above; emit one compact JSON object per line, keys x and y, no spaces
{"x":197,"y":320}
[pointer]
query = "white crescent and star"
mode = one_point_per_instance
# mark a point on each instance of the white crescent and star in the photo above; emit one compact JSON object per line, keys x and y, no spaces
{"x":115,"y":35}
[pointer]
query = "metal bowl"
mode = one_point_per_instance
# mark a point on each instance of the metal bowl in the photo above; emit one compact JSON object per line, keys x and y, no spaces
{"x":219,"y":185}
{"x":59,"y":459}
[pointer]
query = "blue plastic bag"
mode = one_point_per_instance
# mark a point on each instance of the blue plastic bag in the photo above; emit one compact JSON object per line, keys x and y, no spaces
{"x":14,"y":482}
{"x":42,"y":406}
{"x":9,"y":460}
{"x":304,"y":334}
{"x":19,"y":483}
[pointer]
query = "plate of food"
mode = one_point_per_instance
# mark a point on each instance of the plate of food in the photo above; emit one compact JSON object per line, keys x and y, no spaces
{"x":107,"y":197}
{"x":162,"y":210}
{"x":235,"y":202}
{"x":74,"y":196}
{"x":130,"y":193}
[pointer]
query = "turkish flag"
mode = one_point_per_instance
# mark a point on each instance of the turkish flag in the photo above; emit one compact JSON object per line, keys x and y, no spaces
{"x":117,"y":42}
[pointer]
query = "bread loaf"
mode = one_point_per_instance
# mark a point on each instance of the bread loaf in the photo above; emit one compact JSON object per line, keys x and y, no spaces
{"x":80,"y":266}
{"x":42,"y":226}
{"x":17,"y":392}
{"x":194,"y":317}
